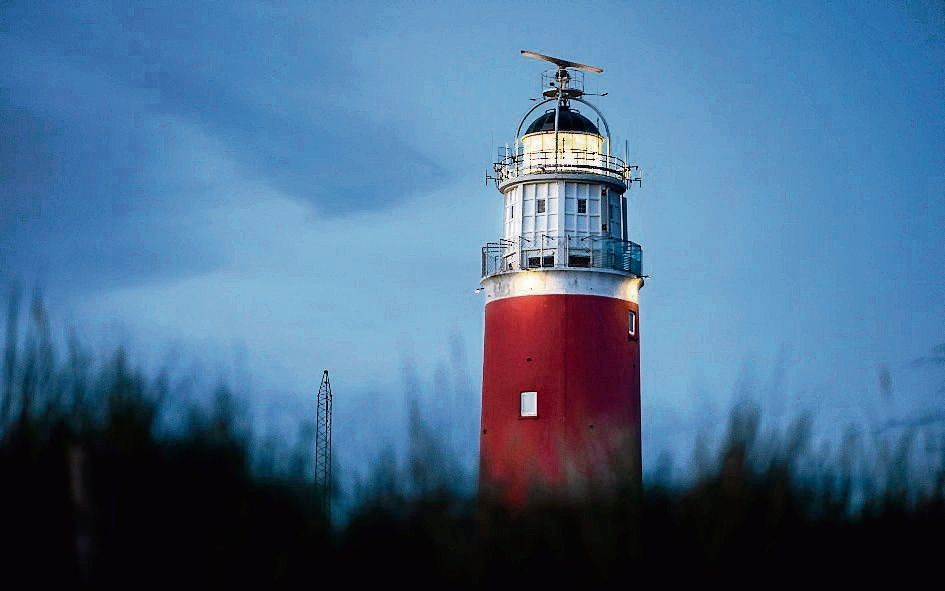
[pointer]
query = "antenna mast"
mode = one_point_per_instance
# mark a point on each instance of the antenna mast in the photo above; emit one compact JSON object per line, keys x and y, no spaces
{"x":323,"y":444}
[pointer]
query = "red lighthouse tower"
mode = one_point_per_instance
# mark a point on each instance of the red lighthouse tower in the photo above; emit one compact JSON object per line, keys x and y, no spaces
{"x":561,"y":367}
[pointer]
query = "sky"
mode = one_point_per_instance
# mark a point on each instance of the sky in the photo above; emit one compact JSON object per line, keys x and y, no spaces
{"x":270,"y":189}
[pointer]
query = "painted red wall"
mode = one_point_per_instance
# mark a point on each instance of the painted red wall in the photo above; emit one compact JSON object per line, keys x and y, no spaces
{"x":575,"y":351}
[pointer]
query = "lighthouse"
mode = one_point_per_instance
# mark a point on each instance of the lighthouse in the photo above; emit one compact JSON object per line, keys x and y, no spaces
{"x":561,"y":360}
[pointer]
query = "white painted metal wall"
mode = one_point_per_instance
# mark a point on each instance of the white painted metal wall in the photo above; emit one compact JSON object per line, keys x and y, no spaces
{"x":562,"y":281}
{"x":602,"y":215}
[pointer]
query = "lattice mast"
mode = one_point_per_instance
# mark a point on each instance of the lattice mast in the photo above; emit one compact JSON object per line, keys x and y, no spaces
{"x":323,"y":443}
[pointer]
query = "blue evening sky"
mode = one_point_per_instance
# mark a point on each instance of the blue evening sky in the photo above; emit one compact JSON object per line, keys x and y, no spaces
{"x":270,"y":189}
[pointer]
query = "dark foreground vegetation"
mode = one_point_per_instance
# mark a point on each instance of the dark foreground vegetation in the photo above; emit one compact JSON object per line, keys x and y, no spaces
{"x":109,"y":477}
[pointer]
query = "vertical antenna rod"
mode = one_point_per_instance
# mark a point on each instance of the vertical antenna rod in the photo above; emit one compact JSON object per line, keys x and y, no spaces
{"x":323,"y":444}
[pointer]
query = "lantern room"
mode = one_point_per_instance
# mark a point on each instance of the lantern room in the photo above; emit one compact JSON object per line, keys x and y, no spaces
{"x":575,"y":133}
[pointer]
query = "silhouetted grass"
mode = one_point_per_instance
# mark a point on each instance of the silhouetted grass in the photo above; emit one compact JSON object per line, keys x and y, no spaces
{"x":109,"y":477}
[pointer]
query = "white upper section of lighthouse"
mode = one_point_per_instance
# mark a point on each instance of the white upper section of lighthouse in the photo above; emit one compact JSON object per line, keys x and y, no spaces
{"x":563,"y":191}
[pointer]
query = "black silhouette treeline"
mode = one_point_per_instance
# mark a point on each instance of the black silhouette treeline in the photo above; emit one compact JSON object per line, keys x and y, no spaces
{"x":108,"y":477}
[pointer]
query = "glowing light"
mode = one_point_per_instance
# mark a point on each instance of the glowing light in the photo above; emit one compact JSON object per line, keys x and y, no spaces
{"x":530,"y":280}
{"x":576,"y":149}
{"x":567,"y":142}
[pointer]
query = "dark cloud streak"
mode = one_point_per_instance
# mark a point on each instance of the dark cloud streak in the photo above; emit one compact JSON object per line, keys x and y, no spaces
{"x":100,"y":177}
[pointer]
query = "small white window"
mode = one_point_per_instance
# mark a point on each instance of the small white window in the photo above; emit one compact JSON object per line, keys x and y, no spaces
{"x":541,"y":206}
{"x":632,"y":323}
{"x":529,"y":404}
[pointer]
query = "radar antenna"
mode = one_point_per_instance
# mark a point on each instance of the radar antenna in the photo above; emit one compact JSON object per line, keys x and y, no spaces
{"x":563,"y":64}
{"x":564,"y":82}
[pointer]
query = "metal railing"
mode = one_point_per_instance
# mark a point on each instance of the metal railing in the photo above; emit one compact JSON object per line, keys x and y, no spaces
{"x":557,"y":252}
{"x":567,"y":161}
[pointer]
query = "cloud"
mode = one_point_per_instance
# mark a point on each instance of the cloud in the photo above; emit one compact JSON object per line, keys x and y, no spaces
{"x":125,"y":127}
{"x":93,"y":190}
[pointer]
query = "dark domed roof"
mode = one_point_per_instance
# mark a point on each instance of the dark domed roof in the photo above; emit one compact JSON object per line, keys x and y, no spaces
{"x":568,"y":120}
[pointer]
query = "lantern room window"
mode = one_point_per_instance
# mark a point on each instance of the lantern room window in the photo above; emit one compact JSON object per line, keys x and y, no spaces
{"x":582,"y":205}
{"x":541,"y":206}
{"x":529,"y":404}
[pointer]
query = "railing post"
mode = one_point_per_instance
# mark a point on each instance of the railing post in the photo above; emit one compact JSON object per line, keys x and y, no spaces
{"x":522,"y":263}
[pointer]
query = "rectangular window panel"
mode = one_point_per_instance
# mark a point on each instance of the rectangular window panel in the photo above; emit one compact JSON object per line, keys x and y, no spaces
{"x":632,"y":323}
{"x":529,"y":404}
{"x":582,"y":205}
{"x":579,"y":260}
{"x":541,"y":206}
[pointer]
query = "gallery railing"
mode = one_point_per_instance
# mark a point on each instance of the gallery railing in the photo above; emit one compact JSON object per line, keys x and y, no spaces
{"x":560,"y":162}
{"x":552,"y":252}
